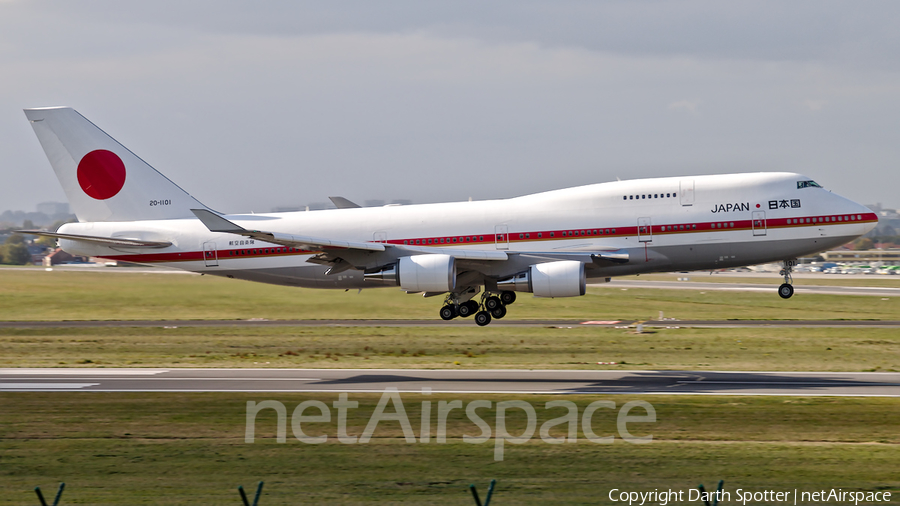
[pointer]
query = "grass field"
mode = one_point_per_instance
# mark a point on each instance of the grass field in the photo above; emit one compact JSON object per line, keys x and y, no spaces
{"x":189,"y":448}
{"x":61,"y":296}
{"x":65,"y":295}
{"x":774,"y":349}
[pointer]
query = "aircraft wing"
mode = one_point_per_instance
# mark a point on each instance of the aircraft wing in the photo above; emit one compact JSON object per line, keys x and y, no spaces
{"x":462,"y":254}
{"x":616,"y":256}
{"x":216,"y":223}
{"x":103,"y":241}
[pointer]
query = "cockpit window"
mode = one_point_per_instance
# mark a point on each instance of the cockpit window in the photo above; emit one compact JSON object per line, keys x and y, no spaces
{"x":808,"y":184}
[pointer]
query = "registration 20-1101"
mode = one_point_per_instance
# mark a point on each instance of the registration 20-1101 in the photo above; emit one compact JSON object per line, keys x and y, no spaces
{"x":163,"y":202}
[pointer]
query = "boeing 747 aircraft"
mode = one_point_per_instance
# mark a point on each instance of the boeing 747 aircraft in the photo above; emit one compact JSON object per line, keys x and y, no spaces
{"x":477,"y":255}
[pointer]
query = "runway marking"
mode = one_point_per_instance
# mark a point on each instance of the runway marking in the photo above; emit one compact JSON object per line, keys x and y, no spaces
{"x":75,"y":371}
{"x":188,"y":378}
{"x":45,"y":386}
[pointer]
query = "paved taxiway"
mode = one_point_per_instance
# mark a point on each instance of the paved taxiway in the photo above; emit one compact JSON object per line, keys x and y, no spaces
{"x":451,"y":381}
{"x":799,"y":288}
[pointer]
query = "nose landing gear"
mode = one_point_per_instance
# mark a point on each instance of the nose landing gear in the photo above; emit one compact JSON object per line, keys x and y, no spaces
{"x":491,"y":307}
{"x":786,"y":290}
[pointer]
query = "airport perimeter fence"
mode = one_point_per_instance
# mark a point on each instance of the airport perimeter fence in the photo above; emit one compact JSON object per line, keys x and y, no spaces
{"x":487,"y":501}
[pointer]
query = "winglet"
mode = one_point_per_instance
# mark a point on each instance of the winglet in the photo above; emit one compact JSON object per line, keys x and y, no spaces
{"x":342,"y":203}
{"x":216,"y":223}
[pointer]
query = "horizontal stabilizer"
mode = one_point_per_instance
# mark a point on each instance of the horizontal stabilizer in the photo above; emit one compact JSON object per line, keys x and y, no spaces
{"x":105,"y":241}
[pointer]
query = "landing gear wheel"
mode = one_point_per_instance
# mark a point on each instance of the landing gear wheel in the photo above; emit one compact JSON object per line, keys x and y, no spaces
{"x":507,"y":298}
{"x":482,"y":318}
{"x":492,"y":303}
{"x":786,"y":290}
{"x":468,"y":308}
{"x":449,"y":312}
{"x":498,"y":313}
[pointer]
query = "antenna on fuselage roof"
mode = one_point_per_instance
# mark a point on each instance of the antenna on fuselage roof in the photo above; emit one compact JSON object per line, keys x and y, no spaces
{"x":617,"y":178}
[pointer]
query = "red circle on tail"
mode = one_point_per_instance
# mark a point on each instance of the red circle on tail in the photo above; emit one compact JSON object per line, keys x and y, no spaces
{"x":101,"y":174}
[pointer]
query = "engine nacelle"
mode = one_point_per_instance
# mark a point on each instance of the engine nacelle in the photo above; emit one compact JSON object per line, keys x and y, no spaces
{"x":427,"y":273}
{"x":420,"y":273}
{"x":565,"y":278}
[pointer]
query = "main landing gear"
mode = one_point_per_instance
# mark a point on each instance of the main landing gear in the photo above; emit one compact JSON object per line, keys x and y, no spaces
{"x":491,"y":306}
{"x":786,"y":290}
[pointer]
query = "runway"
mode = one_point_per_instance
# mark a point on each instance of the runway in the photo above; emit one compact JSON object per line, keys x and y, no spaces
{"x":451,"y":381}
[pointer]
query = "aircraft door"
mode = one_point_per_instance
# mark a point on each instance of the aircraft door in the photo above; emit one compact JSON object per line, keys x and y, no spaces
{"x":686,"y":193}
{"x":379,"y":237}
{"x":759,"y":223}
{"x":645,"y":230}
{"x":501,"y":236}
{"x":210,"y":254}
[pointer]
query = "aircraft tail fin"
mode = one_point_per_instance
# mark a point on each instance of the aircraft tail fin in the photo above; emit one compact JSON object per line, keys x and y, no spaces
{"x":102,"y":179}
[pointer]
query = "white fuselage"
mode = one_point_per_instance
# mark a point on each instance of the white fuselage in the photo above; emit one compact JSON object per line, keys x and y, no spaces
{"x":700,"y":222}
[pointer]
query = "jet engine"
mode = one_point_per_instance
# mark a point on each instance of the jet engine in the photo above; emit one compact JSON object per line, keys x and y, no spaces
{"x":552,"y":279}
{"x":421,"y":273}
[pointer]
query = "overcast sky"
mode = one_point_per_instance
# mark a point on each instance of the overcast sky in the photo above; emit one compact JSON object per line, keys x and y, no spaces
{"x":254,"y":105}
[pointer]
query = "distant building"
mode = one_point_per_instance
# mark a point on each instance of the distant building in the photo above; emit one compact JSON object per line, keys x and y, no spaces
{"x":58,"y":256}
{"x":884,"y":257}
{"x":888,"y":222}
{"x":53,"y":208}
{"x":37,"y":253}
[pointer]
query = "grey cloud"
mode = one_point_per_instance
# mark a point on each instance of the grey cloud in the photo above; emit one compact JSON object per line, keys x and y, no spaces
{"x":250,"y":106}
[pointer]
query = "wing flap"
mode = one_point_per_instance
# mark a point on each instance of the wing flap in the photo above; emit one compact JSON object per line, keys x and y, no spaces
{"x":462,"y":254}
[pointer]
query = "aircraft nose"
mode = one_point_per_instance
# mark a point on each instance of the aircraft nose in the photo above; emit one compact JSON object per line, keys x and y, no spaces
{"x":870,"y":217}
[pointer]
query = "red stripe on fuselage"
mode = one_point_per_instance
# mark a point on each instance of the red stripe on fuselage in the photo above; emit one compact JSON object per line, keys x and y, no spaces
{"x":520,"y":237}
